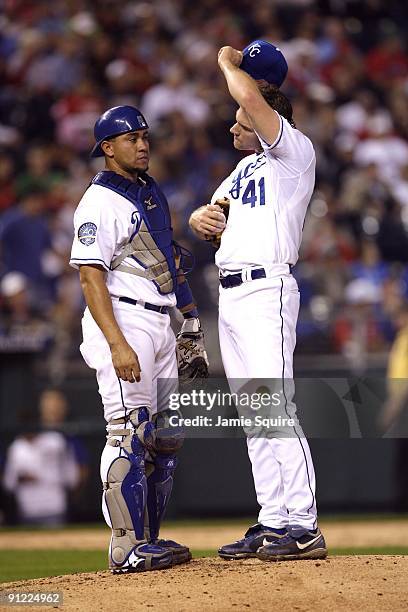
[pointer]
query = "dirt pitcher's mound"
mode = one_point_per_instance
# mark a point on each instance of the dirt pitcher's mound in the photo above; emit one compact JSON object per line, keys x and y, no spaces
{"x":211,"y":584}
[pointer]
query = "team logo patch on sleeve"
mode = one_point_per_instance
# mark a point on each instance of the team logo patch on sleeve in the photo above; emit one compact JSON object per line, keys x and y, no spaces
{"x":87,"y":233}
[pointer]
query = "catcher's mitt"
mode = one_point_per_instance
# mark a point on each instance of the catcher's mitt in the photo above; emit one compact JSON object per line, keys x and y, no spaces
{"x":192,"y":361}
{"x":224,"y":203}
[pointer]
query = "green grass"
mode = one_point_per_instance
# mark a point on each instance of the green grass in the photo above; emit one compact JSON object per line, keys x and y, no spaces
{"x":26,"y":564}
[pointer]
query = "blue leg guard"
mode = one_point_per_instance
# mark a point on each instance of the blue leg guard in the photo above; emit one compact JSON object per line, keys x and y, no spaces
{"x":134,"y":487}
{"x":125,"y":498}
{"x":159,"y":486}
{"x":162,"y":443}
{"x":160,"y":466}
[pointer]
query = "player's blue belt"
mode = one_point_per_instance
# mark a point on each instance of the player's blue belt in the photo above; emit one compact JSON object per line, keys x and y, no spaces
{"x":161,"y":309}
{"x":235,"y":280}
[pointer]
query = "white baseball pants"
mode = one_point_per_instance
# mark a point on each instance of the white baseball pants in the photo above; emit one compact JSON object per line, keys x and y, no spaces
{"x":257,"y":330}
{"x":150,"y":335}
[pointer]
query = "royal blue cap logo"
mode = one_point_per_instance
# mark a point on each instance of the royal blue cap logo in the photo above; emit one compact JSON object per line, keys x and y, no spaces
{"x":254,"y":49}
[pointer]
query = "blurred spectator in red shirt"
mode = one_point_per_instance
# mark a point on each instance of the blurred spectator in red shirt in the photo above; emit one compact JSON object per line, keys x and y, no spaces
{"x":7,"y":181}
{"x":387,"y":62}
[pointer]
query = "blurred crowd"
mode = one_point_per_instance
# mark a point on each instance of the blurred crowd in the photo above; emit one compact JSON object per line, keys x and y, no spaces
{"x":62,"y":64}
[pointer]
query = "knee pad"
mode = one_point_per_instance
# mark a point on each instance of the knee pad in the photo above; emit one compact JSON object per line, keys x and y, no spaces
{"x":161,"y":435}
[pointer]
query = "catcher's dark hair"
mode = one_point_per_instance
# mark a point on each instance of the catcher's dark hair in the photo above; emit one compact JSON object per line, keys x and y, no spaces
{"x":278,"y":101}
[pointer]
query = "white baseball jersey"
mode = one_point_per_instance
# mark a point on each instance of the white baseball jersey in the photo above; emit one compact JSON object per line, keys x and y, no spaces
{"x":104,"y":222}
{"x":269,"y":193}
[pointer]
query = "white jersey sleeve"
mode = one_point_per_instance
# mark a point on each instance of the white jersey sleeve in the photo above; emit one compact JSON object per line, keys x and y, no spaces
{"x":292,"y":148}
{"x":96,"y":231}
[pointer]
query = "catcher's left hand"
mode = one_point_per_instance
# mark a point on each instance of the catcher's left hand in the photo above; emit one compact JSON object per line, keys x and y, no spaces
{"x":192,"y":361}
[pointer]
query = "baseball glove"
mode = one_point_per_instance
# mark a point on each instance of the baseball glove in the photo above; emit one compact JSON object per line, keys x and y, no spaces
{"x":192,"y":361}
{"x":224,"y":203}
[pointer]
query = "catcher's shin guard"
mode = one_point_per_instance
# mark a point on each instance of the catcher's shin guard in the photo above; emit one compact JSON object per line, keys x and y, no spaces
{"x":163,"y":446}
{"x":125,"y":496}
{"x":159,"y":487}
{"x":160,"y":467}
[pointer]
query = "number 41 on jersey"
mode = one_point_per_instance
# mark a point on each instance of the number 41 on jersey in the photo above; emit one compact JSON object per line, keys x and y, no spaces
{"x":254,"y":193}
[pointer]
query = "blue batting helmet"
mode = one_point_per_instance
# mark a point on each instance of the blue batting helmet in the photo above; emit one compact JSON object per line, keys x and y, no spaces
{"x":115,"y":121}
{"x":264,"y":61}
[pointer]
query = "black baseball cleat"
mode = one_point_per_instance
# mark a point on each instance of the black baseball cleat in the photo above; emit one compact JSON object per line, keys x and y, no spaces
{"x":252,"y":540}
{"x":181,"y":553}
{"x":298,"y":543}
{"x":141,"y":558}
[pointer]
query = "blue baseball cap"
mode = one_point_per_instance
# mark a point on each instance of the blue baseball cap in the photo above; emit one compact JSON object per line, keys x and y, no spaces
{"x":263,"y":61}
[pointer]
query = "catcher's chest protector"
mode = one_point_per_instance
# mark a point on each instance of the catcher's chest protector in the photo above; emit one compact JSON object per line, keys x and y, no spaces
{"x":151,"y":244}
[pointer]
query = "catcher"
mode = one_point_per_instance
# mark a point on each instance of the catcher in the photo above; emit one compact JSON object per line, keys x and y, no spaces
{"x":130,"y":272}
